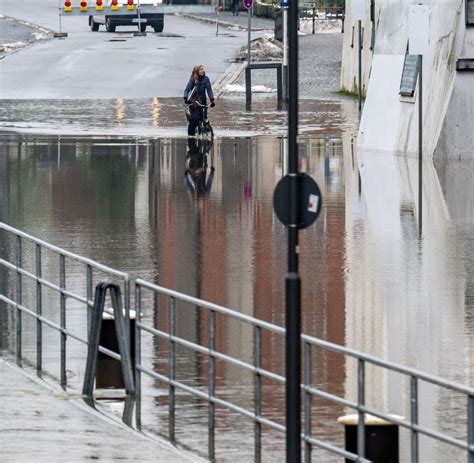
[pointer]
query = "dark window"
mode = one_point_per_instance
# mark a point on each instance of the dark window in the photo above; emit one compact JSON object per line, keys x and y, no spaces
{"x":470,"y":13}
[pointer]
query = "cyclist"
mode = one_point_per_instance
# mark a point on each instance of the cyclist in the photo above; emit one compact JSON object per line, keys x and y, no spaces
{"x":198,"y":89}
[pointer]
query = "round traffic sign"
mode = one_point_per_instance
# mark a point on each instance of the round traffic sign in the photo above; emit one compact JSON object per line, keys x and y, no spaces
{"x":248,"y":4}
{"x":309,"y":200}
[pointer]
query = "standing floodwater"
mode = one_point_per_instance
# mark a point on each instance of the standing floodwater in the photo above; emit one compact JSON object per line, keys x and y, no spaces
{"x":368,"y":282}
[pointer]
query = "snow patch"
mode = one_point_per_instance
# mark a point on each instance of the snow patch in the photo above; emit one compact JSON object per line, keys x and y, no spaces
{"x":234,"y":88}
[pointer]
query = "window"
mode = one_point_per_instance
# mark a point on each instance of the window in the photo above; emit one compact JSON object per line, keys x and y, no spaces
{"x":469,"y":13}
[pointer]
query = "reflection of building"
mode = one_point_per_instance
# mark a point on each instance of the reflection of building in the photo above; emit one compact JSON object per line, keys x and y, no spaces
{"x":229,"y":248}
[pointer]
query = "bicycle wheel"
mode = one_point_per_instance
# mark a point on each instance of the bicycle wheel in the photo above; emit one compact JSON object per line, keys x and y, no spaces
{"x":208,"y":130}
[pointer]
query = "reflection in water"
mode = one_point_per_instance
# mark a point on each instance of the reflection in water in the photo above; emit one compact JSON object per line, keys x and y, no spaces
{"x":196,"y":177}
{"x":367,"y":281}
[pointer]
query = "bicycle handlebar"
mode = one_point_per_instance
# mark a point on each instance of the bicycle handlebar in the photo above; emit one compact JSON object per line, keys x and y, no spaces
{"x":200,"y":104}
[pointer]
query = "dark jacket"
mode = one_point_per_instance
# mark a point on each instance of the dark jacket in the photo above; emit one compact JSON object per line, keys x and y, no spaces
{"x":203,"y":85}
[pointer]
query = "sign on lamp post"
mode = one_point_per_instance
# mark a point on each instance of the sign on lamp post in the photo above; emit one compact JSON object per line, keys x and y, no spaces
{"x":418,"y":43}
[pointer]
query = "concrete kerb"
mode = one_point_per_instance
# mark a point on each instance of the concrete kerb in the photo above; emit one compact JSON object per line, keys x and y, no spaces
{"x":224,"y":23}
{"x":230,"y":75}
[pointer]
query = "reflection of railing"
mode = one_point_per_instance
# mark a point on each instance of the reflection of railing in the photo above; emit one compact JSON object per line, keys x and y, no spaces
{"x":210,"y":350}
{"x":309,"y":391}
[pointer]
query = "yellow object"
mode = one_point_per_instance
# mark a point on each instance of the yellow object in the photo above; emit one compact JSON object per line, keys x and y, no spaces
{"x":82,"y":9}
{"x":99,"y":8}
{"x":115,"y":7}
{"x":68,"y":9}
{"x":130,"y":7}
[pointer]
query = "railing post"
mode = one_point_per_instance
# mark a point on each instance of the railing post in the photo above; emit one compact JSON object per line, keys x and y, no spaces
{"x":414,"y":418}
{"x":308,"y":447}
{"x":258,"y":394}
{"x":248,"y":88}
{"x":279,"y":83}
{"x":470,"y":428}
{"x":39,"y":312}
{"x":361,"y":403}
{"x":172,"y":370}
{"x":138,"y":355}
{"x":212,"y":386}
{"x":89,"y":284}
{"x":62,"y":285}
{"x":19,"y":328}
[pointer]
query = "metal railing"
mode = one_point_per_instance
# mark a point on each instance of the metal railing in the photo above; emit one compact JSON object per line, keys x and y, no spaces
{"x":65,"y":259}
{"x":309,"y":391}
{"x":213,"y":355}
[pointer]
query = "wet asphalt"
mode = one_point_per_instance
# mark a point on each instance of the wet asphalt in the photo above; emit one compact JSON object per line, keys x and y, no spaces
{"x":319,"y":65}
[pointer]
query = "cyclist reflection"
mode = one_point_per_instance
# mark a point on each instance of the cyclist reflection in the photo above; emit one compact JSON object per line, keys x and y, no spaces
{"x":196,"y":177}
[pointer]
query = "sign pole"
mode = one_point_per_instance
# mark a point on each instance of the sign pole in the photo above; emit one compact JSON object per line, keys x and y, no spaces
{"x":418,"y":42}
{"x":360,"y":66}
{"x":293,"y":282}
{"x":248,"y":33}
{"x":358,"y":10}
{"x":284,"y":5}
{"x":420,"y":149}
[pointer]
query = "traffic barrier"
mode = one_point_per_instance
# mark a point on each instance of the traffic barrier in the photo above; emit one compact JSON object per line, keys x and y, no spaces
{"x":71,"y":8}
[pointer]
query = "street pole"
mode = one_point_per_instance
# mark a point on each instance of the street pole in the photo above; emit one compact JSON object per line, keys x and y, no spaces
{"x":360,"y":66}
{"x":248,"y":34}
{"x":285,"y":54}
{"x":293,"y":282}
{"x":60,"y":34}
{"x":420,"y":149}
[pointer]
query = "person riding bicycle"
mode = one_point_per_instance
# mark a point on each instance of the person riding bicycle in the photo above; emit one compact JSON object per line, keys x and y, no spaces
{"x":195,"y":92}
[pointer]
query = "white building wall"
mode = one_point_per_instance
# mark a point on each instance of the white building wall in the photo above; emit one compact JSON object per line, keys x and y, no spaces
{"x":388,"y":123}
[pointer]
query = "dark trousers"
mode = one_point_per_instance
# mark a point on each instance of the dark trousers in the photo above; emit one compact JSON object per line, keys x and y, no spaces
{"x":235,"y":7}
{"x":196,"y":116}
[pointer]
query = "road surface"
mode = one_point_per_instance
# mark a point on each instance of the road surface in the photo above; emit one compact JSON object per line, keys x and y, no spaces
{"x":110,"y":65}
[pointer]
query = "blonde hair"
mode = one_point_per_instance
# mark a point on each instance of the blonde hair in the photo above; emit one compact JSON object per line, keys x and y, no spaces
{"x":196,"y":69}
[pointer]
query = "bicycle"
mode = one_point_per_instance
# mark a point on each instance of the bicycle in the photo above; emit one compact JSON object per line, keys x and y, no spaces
{"x":204,"y":128}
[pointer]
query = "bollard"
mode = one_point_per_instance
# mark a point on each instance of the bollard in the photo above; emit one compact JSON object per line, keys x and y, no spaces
{"x":381,"y":437}
{"x":109,"y":371}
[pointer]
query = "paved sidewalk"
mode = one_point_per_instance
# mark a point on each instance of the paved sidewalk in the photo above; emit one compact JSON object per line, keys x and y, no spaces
{"x":38,"y":425}
{"x":227,"y":19}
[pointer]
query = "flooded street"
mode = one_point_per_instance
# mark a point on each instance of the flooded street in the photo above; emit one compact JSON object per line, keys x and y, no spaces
{"x":198,"y":218}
